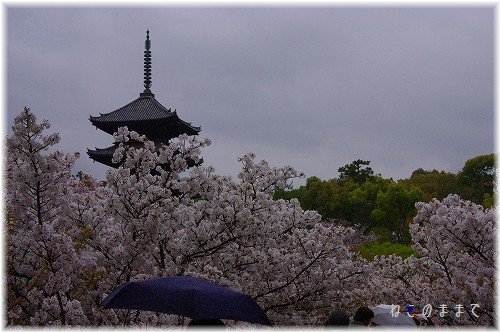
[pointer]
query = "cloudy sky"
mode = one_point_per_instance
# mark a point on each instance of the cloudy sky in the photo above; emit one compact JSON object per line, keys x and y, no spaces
{"x":315,"y":88}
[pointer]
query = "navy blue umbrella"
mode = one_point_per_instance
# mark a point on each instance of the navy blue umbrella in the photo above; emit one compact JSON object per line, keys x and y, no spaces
{"x":186,"y":296}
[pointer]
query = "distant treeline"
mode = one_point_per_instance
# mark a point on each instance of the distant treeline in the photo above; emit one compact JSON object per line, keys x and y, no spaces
{"x":386,"y":207}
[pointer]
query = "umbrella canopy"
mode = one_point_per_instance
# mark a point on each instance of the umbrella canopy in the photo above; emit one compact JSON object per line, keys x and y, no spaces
{"x":384,"y":317}
{"x":186,"y":296}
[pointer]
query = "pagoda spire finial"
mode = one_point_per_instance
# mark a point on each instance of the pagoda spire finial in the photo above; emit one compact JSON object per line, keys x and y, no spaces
{"x":147,"y":67}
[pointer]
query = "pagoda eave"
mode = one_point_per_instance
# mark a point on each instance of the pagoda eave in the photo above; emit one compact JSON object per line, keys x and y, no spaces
{"x":102,"y":157}
{"x":166,"y":128}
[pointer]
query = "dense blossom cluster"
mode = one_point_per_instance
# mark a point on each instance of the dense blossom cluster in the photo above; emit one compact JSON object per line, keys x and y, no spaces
{"x":72,"y":241}
{"x":456,"y":239}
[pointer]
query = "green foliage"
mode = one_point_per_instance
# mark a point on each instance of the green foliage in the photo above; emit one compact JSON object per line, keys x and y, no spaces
{"x":371,"y":249}
{"x":357,"y":171}
{"x":383,"y":234}
{"x":395,"y":209}
{"x":386,"y":207}
{"x":319,"y":196}
{"x":473,"y":182}
{"x":478,"y":175}
{"x":362,"y":201}
{"x":488,"y":201}
{"x":434,"y":184}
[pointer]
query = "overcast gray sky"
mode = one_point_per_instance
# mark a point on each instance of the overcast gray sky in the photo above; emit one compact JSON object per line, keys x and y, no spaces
{"x":315,"y":88}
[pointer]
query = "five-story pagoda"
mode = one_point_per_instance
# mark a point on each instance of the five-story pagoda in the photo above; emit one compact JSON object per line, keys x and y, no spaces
{"x":145,"y":115}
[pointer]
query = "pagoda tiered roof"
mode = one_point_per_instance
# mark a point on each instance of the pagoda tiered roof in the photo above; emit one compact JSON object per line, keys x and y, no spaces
{"x":146,"y":116}
{"x":143,"y":108}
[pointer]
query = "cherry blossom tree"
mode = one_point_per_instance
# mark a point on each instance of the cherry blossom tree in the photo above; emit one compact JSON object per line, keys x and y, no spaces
{"x":42,"y":263}
{"x":149,"y":221}
{"x":456,"y":239}
{"x":455,"y":269}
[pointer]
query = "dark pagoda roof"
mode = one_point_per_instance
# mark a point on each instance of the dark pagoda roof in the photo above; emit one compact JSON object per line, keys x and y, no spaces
{"x":104,"y":156}
{"x":146,"y":116}
{"x":141,"y":109}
